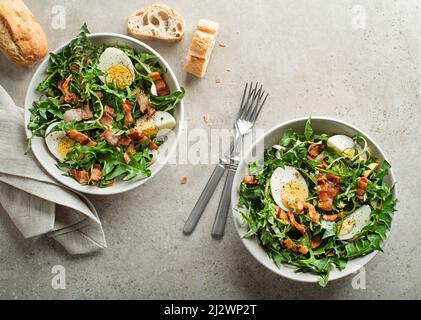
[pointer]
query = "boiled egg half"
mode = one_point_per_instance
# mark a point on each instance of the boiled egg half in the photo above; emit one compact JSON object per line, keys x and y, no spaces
{"x":287,"y":184}
{"x":354,"y":223}
{"x":345,"y":146}
{"x":117,"y":67}
{"x":58,"y":142}
{"x":157,"y":125}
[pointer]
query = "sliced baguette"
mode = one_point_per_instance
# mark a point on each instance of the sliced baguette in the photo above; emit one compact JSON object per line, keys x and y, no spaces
{"x":201,"y":47}
{"x":157,"y":21}
{"x":22,"y":39}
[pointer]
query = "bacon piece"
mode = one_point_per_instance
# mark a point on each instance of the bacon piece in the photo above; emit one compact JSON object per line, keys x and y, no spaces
{"x":323,"y":165}
{"x":81,"y":138}
{"x":332,"y":217}
{"x":131,"y":149}
{"x":312,"y":213}
{"x":299,"y":206}
{"x":302,"y":249}
{"x":294,"y":223}
{"x":115,"y":140}
{"x":136,"y":135}
{"x":361,"y":186}
{"x":78,"y":114}
{"x":250,"y":180}
{"x":136,"y":91}
{"x":152,"y":146}
{"x":143,"y":102}
{"x":67,"y":97}
{"x":161,"y":86}
{"x":96,"y":173}
{"x":108,"y":110}
{"x":289,"y":244}
{"x":81,"y":176}
{"x":127,"y":110}
{"x":328,"y":188}
{"x":126,"y":157}
{"x":282,"y":215}
{"x":315,"y":242}
{"x":106,"y":119}
{"x":315,"y":149}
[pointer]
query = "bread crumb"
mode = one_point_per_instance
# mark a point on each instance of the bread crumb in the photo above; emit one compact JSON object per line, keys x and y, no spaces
{"x":217,"y":81}
{"x":221,"y":44}
{"x":206,"y":118}
{"x":183,"y":180}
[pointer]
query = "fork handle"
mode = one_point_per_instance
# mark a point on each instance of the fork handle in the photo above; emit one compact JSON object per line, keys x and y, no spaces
{"x":203,"y":200}
{"x":224,"y":207}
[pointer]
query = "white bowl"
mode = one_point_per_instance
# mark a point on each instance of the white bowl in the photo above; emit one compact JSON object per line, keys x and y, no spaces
{"x":48,"y":162}
{"x":272,"y":137}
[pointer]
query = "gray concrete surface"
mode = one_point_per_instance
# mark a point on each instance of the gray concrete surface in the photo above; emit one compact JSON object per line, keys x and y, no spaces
{"x":315,"y":59}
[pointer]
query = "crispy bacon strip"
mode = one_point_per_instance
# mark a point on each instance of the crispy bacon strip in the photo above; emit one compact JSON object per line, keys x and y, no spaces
{"x":130,"y":150}
{"x":115,"y":140}
{"x":312,"y":213}
{"x":302,"y":249}
{"x":80,"y":176}
{"x":127,"y":110}
{"x":250,"y":180}
{"x":107,"y":117}
{"x":78,"y":114}
{"x":143,"y":102}
{"x":289,"y":244}
{"x":315,"y":242}
{"x":152,"y":146}
{"x":361,"y":186}
{"x":315,"y":149}
{"x":63,"y":86}
{"x":328,"y":188}
{"x":161,"y":87}
{"x":282,"y":215}
{"x":294,"y":223}
{"x":332,"y":217}
{"x":81,"y":138}
{"x":96,"y":173}
{"x":299,"y":206}
{"x":136,"y":135}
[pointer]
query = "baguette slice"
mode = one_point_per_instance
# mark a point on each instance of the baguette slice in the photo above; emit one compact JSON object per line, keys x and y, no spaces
{"x":201,"y":47}
{"x":157,"y":21}
{"x":22,"y":39}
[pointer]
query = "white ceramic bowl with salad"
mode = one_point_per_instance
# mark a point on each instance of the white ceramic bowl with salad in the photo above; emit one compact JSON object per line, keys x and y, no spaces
{"x":286,"y":214}
{"x":80,"y":127}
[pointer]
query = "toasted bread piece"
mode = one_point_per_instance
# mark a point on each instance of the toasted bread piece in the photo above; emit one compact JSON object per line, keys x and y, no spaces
{"x":157,"y":21}
{"x":22,"y":39}
{"x":201,"y":47}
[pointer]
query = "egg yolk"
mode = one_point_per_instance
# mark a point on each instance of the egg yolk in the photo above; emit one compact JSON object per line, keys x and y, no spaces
{"x":120,"y":75}
{"x":349,"y":153}
{"x":292,"y":190}
{"x":65,"y":145}
{"x":347,"y":225}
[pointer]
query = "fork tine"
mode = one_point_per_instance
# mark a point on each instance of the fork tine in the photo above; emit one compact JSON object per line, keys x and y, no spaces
{"x":253,"y":104}
{"x":242,"y":100}
{"x":260,"y":108}
{"x":256,"y":104}
{"x":246,"y":104}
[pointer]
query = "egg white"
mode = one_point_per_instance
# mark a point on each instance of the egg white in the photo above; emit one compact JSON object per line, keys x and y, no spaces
{"x":114,"y":56}
{"x":280,"y":177}
{"x":358,"y":219}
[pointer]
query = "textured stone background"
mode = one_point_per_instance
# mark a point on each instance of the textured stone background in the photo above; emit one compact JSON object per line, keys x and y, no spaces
{"x":313,"y":62}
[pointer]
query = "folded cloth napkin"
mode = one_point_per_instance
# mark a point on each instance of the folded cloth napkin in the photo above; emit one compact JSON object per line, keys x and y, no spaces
{"x":35,"y":202}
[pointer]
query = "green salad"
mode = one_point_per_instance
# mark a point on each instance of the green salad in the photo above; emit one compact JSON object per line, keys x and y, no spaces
{"x":317,"y":201}
{"x":102,"y":110}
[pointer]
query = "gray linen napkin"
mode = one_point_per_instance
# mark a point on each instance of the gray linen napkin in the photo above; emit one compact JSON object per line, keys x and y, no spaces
{"x":35,"y":202}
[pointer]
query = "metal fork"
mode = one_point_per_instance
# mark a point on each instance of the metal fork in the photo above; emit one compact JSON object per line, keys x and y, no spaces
{"x":250,"y":107}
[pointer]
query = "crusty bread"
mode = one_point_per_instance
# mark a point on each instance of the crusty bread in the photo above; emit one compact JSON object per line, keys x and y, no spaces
{"x":22,"y":39}
{"x":157,"y":21}
{"x":201,"y":47}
